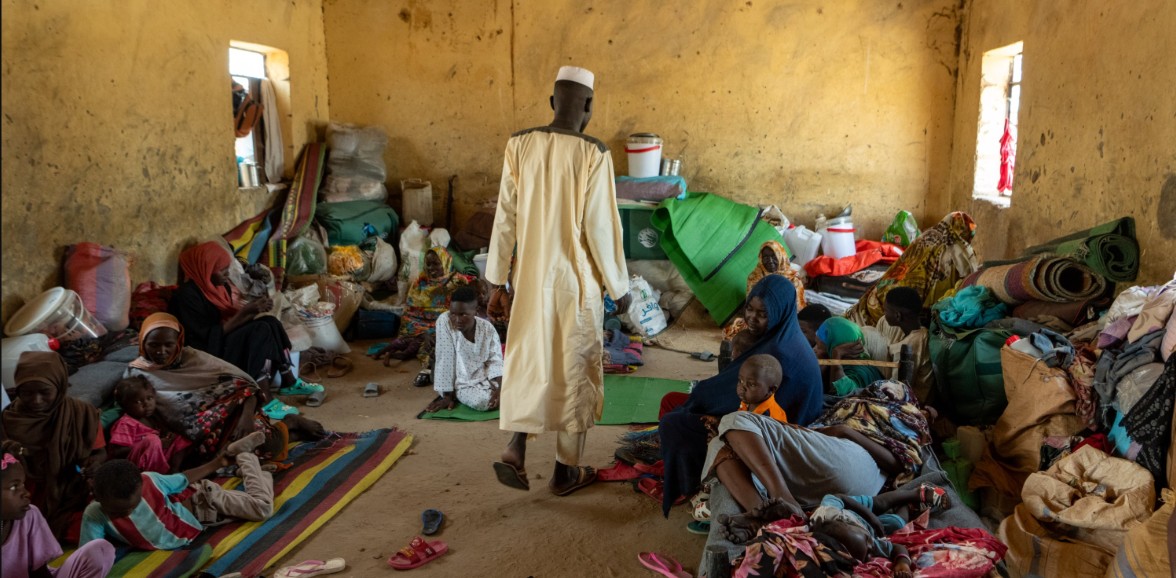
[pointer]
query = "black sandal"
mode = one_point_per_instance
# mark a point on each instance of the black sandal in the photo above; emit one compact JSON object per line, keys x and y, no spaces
{"x":424,"y":378}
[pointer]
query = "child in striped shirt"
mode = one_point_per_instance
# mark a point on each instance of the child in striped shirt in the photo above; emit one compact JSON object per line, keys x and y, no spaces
{"x":152,"y":511}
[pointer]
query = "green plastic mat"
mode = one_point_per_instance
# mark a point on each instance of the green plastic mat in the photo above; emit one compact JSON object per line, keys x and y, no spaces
{"x":715,"y":244}
{"x":627,"y":399}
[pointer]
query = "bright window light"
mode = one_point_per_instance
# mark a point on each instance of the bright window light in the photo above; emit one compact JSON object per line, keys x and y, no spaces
{"x":246,"y":63}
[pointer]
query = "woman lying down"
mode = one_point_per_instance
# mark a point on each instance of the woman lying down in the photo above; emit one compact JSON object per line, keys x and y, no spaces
{"x":869,"y":440}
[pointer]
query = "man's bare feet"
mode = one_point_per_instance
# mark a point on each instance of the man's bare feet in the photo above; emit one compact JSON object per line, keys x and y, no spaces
{"x":510,"y":471}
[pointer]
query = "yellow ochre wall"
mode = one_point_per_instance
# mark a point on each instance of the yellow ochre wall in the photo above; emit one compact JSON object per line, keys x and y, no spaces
{"x":1097,"y":136}
{"x":117,"y":126}
{"x":807,"y":105}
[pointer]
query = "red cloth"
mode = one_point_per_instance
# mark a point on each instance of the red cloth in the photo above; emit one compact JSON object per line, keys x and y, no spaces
{"x":1008,"y":155}
{"x":199,"y":263}
{"x":890,"y":251}
{"x":826,"y":265}
{"x":671,"y":401}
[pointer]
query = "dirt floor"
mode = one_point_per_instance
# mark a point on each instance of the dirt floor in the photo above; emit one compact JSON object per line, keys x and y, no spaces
{"x":493,"y":530}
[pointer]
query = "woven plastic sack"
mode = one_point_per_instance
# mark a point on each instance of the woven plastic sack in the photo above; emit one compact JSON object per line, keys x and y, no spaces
{"x":1144,"y":553}
{"x":101,"y":276}
{"x":355,"y":165}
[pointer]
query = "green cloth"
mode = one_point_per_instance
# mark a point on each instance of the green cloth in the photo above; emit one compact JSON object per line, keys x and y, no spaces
{"x":837,"y":331}
{"x":627,"y":400}
{"x":1109,"y":249}
{"x":715,"y":245}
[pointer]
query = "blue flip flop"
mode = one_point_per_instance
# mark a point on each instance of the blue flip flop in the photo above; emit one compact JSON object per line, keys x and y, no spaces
{"x":431,"y":520}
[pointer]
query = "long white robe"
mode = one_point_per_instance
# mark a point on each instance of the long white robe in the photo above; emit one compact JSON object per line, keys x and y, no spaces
{"x":557,"y":204}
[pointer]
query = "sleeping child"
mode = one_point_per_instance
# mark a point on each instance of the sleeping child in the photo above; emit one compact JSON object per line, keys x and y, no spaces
{"x":468,"y":357}
{"x":862,"y":523}
{"x":141,"y":435}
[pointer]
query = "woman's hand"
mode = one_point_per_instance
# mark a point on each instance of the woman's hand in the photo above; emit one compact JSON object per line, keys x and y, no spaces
{"x":853,"y":350}
{"x":91,"y":463}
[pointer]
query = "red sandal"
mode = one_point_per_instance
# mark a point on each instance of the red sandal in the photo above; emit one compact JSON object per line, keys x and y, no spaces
{"x":933,"y":498}
{"x":417,"y":553}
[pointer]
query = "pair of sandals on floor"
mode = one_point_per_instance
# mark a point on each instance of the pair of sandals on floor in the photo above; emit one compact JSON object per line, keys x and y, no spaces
{"x":276,"y":409}
{"x":513,"y":476}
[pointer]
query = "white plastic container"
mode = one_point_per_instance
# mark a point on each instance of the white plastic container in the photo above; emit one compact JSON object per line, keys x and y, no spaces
{"x":802,"y":243}
{"x":59,"y":313}
{"x":837,"y":240}
{"x":11,"y":348}
{"x":480,"y":263}
{"x":645,"y":154}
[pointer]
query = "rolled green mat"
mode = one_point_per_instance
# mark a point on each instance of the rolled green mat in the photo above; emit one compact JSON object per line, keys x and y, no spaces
{"x":1110,"y":249}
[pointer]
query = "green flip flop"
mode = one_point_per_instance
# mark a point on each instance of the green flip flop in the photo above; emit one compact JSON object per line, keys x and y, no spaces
{"x":276,"y":410}
{"x":301,"y":387}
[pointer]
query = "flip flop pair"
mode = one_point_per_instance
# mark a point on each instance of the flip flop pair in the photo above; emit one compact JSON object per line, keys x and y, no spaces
{"x":312,"y":568}
{"x":417,"y":553}
{"x":662,"y":565}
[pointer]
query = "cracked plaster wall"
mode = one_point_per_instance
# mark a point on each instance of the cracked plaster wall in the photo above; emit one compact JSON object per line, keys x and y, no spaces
{"x":1097,"y":137}
{"x":807,"y":105}
{"x":117,"y":126}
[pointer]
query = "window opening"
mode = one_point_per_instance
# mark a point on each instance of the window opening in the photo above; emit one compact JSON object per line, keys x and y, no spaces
{"x":996,"y":138}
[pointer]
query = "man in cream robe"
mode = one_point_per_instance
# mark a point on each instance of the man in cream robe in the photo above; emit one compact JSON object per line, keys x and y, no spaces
{"x":557,"y":208}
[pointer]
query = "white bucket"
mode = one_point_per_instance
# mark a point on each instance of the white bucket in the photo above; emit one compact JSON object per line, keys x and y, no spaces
{"x":837,"y":239}
{"x":58,"y":313}
{"x":803,"y":243}
{"x":645,"y":153}
{"x":11,"y":348}
{"x":480,"y":263}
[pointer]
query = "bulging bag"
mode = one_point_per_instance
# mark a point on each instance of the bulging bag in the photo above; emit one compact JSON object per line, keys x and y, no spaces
{"x":968,"y":379}
{"x":903,"y":230}
{"x":645,"y":314}
{"x":101,"y":276}
{"x":413,"y":243}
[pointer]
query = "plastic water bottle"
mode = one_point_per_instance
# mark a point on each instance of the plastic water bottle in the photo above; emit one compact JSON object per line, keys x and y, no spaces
{"x":12,"y":347}
{"x":610,"y":306}
{"x":958,"y":471}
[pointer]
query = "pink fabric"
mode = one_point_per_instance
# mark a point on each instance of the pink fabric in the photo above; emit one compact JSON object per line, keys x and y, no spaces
{"x":147,"y":449}
{"x":32,"y":546}
{"x":92,"y":560}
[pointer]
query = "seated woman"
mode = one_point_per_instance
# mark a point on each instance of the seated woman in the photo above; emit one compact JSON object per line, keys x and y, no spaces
{"x":774,"y":470}
{"x":428,"y":298}
{"x":208,"y":306}
{"x":840,"y":338}
{"x":61,"y":434}
{"x":210,"y":401}
{"x":771,"y":319}
{"x":773,"y":261}
{"x":468,"y":357}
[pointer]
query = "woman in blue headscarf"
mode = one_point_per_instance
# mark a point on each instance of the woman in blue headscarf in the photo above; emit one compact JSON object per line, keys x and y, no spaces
{"x":771,"y":318}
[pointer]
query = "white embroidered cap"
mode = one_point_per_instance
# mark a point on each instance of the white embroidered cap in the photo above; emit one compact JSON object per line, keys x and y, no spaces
{"x":576,"y":74}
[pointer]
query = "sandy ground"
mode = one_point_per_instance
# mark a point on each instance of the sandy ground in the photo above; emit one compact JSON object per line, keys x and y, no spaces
{"x":493,"y":530}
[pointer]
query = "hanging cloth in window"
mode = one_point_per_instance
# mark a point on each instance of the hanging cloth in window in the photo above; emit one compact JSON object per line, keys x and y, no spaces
{"x":1008,"y":153}
{"x":274,"y":159}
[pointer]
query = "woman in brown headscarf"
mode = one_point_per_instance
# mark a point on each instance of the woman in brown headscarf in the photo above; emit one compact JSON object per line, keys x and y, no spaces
{"x":62,"y":437}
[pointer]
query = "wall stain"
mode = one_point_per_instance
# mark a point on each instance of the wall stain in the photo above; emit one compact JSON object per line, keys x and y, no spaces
{"x":1166,"y":211}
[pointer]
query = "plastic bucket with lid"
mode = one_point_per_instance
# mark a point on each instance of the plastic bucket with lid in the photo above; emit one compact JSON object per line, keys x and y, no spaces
{"x":645,"y":153}
{"x":837,"y":238}
{"x":58,"y":313}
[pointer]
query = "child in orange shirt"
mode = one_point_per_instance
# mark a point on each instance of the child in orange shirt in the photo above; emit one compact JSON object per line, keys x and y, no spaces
{"x":759,"y":378}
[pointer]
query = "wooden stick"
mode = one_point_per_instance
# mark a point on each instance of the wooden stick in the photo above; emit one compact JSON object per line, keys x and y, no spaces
{"x":867,"y":362}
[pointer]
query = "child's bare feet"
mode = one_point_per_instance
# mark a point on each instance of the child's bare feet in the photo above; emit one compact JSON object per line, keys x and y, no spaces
{"x":738,"y":529}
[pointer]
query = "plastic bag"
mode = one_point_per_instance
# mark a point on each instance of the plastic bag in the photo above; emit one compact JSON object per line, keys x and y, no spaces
{"x":355,"y":167}
{"x":382,"y":257}
{"x":101,"y":276}
{"x":413,"y":243}
{"x":903,"y":230}
{"x":776,"y":218}
{"x":306,"y":256}
{"x":439,"y":237}
{"x":645,"y":315}
{"x":347,"y":260}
